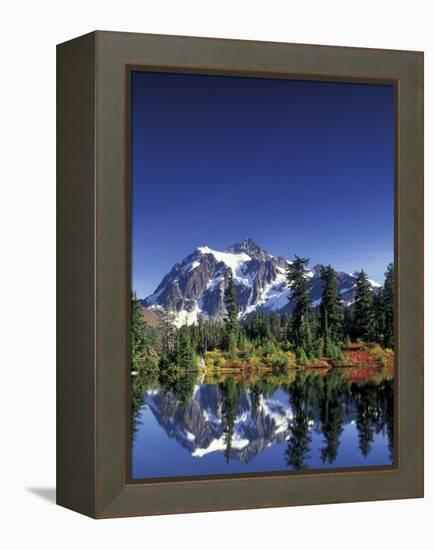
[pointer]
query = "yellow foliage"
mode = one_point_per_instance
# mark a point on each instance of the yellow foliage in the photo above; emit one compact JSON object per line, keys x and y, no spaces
{"x":214,"y":359}
{"x":381,"y":354}
{"x":251,"y":357}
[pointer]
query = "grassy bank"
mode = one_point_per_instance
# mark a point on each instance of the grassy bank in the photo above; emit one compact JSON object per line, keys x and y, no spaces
{"x":271,"y":356}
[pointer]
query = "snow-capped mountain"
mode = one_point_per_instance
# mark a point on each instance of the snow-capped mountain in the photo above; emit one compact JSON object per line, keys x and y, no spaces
{"x":195,"y":288}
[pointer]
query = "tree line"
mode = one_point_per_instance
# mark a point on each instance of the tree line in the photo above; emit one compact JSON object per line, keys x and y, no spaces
{"x":321,"y":332}
{"x":310,"y":332}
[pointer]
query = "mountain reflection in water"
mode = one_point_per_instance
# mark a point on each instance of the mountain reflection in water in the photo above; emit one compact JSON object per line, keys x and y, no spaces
{"x":185,"y":426}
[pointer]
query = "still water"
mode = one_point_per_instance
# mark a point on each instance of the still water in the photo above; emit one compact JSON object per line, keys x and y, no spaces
{"x":187,"y":426}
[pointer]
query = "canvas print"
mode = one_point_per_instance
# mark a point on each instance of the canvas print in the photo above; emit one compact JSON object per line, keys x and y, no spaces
{"x":262,"y":292}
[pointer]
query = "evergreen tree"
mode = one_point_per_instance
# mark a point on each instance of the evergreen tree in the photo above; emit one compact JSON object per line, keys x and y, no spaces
{"x":167,"y":338}
{"x":143,"y":353}
{"x":364,"y":323}
{"x":299,"y":283}
{"x":348,"y":325}
{"x":231,"y":319}
{"x":331,"y":314}
{"x":388,"y":305}
{"x":290,"y":330}
{"x":379,"y":316}
{"x":144,"y":359}
{"x":137,"y":336}
{"x":185,"y":356}
{"x":275,"y":329}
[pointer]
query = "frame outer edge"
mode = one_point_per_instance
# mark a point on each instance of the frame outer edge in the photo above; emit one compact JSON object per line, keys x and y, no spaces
{"x":411,"y":275}
{"x":75,"y":403}
{"x":114,"y":496}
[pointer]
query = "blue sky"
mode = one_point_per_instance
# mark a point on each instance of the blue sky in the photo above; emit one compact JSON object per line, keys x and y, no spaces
{"x":301,"y":167}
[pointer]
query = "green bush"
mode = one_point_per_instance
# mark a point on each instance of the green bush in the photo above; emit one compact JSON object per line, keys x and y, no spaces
{"x":302,"y":358}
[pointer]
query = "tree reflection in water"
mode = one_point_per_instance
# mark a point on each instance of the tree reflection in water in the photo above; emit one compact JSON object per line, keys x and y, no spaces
{"x":318,"y":408}
{"x":300,"y":397}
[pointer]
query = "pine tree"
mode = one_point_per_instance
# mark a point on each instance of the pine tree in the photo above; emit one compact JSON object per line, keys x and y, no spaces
{"x":143,"y":353}
{"x":388,"y":305}
{"x":331,"y":313}
{"x":137,"y":335}
{"x":167,"y":338}
{"x":185,"y":357}
{"x":379,"y":316}
{"x":275,"y":330}
{"x":364,"y":323}
{"x":348,"y":326}
{"x":299,"y":283}
{"x":231,"y":319}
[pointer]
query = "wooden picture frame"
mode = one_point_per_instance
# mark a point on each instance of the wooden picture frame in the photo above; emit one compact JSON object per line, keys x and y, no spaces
{"x":94,"y":273}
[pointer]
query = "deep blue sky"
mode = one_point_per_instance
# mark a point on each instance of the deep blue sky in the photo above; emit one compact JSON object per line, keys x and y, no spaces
{"x":301,"y":167}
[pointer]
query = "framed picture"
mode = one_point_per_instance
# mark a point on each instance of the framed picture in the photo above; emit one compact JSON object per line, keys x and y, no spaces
{"x":240,"y":274}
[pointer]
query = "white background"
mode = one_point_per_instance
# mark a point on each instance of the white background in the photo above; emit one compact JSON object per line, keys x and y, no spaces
{"x":29,"y":32}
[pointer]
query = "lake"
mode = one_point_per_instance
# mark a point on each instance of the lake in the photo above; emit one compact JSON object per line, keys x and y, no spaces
{"x":189,"y":425}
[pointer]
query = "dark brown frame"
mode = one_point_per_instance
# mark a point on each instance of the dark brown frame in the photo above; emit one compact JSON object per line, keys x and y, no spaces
{"x":94,"y":273}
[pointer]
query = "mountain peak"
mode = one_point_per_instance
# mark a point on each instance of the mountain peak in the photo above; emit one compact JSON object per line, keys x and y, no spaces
{"x":195,"y":287}
{"x":249,"y":247}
